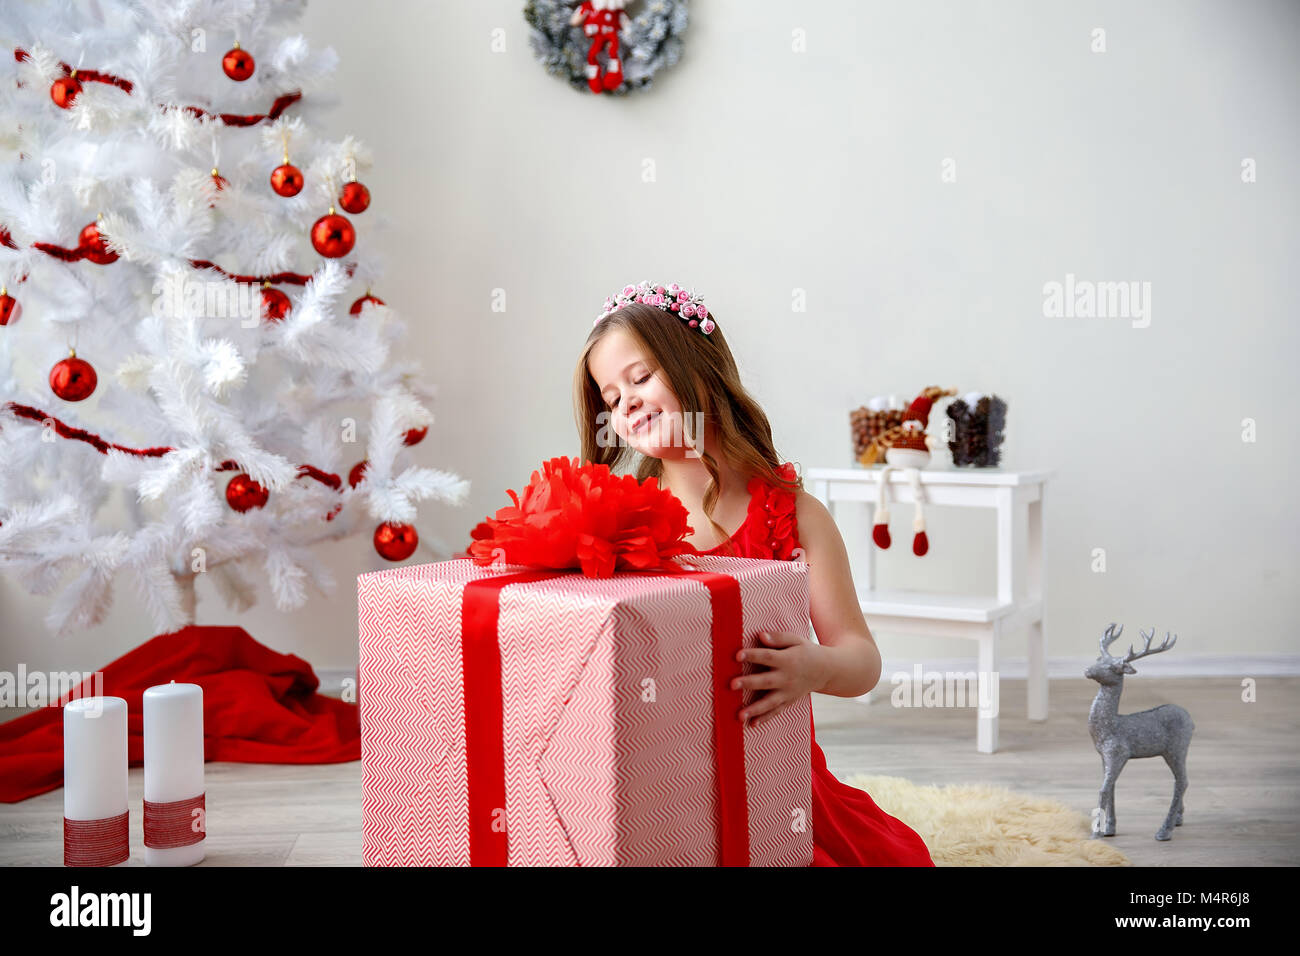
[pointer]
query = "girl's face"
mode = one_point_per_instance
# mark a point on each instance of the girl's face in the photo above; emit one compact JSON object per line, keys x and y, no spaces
{"x":642,"y":408}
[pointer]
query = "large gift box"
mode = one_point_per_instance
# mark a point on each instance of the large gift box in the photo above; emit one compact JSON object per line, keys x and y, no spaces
{"x":517,"y":716}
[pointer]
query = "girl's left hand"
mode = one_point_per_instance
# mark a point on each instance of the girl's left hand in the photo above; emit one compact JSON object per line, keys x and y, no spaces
{"x":796,"y":666}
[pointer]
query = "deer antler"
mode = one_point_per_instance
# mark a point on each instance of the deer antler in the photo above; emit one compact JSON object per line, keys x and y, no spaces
{"x":1110,"y":637}
{"x":1147,"y":649}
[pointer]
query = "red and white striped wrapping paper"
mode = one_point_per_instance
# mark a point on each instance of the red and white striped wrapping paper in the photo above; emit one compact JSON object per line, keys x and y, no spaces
{"x":607,"y":712}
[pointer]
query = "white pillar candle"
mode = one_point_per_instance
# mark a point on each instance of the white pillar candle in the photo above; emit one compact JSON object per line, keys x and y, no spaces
{"x":94,"y":782}
{"x":173,"y":774}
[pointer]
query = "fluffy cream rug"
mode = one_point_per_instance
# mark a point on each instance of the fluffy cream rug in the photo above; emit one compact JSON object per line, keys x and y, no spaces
{"x":969,"y":825}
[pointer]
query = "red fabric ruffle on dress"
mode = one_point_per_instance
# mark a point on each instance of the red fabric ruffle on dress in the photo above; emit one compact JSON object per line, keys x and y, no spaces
{"x":849,"y":829}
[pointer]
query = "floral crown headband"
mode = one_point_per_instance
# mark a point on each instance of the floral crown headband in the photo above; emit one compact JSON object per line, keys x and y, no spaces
{"x":673,"y":299}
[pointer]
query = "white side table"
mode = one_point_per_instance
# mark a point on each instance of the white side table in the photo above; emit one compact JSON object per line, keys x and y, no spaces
{"x":1017,"y":497}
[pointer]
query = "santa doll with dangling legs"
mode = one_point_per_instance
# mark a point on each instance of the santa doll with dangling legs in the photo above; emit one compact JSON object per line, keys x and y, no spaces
{"x":906,"y":450}
{"x":601,"y":20}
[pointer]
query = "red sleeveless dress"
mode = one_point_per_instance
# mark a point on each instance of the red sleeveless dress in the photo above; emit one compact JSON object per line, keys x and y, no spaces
{"x":848,"y":828}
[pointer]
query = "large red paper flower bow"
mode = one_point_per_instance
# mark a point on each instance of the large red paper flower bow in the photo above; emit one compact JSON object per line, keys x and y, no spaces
{"x":575,"y":515}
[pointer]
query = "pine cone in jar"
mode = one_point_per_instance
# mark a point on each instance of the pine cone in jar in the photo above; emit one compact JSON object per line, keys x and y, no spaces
{"x":859,"y":424}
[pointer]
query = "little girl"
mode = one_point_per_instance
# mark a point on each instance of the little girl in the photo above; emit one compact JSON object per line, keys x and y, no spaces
{"x":655,"y":363}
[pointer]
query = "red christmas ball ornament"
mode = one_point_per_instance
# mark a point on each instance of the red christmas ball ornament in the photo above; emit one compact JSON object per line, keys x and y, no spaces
{"x":396,"y":542}
{"x":362,"y":302}
{"x":244,"y":494}
{"x":73,"y":379}
{"x":355,"y":197}
{"x":332,"y":235}
{"x":286,"y":180}
{"x":356,"y":474}
{"x":238,"y":64}
{"x":275,"y":304}
{"x":10,"y":308}
{"x":92,"y":241}
{"x":415,"y":435}
{"x":64,"y":90}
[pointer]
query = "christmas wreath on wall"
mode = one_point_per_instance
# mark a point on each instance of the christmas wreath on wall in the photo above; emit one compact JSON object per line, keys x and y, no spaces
{"x":599,"y":46}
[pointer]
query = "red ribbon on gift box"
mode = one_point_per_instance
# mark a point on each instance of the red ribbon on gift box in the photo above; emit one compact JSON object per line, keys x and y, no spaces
{"x":484,"y":714}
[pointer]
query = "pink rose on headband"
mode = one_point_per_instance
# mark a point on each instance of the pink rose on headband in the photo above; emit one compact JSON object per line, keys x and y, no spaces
{"x":701,"y":311}
{"x":629,"y":291}
{"x":683,"y":296}
{"x":688,"y":310}
{"x":707,"y":326}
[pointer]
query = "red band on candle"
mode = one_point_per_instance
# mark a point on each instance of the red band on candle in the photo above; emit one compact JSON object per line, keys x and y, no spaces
{"x":172,"y":824}
{"x":96,"y":842}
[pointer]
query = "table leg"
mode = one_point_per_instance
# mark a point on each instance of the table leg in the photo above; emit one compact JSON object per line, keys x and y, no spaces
{"x":1037,"y":683}
{"x":1007,"y":570}
{"x":986,"y":733}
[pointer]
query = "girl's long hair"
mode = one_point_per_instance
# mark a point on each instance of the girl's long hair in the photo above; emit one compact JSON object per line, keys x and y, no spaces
{"x":702,"y":373}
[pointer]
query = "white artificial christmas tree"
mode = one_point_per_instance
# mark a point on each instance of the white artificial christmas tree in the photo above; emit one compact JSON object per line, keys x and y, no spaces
{"x":139,"y":226}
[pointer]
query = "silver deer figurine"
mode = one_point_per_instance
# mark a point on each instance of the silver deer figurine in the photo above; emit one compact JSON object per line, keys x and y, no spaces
{"x":1164,"y":731}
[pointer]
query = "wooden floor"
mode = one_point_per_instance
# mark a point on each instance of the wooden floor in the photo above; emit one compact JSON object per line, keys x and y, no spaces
{"x":1242,"y":806}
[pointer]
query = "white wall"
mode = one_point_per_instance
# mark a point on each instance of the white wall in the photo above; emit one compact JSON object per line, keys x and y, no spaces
{"x":821,"y":171}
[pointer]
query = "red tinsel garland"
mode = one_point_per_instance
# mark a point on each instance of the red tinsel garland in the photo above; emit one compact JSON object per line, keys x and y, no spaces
{"x":74,"y":255}
{"x":282,"y":102}
{"x":58,"y":252}
{"x":78,"y":434}
{"x":94,"y":75}
{"x":290,"y":278}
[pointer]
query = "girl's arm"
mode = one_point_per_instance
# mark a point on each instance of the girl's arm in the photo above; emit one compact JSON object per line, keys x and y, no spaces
{"x":845,"y":662}
{"x":854,"y":660}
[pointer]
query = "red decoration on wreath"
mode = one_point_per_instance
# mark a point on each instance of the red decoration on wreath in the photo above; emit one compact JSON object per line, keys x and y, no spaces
{"x":244,"y":494}
{"x":64,"y":90}
{"x":395,"y":541}
{"x":581,"y":515}
{"x":602,"y":25}
{"x":11,"y":309}
{"x":275,"y":304}
{"x":356,"y":474}
{"x":96,"y":249}
{"x":415,"y":436}
{"x":355,"y":197}
{"x":332,"y":235}
{"x":238,"y":64}
{"x":73,"y":379}
{"x":286,"y":179}
{"x":362,"y":302}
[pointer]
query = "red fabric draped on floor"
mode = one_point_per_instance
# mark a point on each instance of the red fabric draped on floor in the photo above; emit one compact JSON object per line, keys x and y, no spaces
{"x":259,"y":706}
